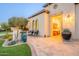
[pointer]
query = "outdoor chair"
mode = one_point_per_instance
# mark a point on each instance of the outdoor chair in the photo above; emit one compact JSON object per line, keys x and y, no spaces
{"x":36,"y":33}
{"x":32,"y":32}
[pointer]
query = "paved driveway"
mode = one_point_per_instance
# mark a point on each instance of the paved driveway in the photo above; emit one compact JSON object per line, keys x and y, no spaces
{"x":47,"y":47}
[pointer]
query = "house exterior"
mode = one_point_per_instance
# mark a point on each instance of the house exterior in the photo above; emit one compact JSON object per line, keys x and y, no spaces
{"x":56,"y":17}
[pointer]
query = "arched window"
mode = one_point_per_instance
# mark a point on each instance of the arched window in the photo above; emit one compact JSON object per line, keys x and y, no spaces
{"x":33,"y":25}
{"x":36,"y":24}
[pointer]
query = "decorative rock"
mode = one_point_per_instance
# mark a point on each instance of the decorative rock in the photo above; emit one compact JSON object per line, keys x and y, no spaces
{"x":8,"y":43}
{"x":5,"y":43}
{"x":12,"y":43}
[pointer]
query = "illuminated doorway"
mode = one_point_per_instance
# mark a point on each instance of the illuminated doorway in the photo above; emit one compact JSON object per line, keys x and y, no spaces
{"x":55,"y":26}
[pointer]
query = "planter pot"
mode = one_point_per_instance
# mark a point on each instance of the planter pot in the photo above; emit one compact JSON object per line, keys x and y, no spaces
{"x":24,"y":36}
{"x":66,"y":36}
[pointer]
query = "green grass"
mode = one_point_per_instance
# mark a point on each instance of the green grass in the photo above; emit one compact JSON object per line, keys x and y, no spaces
{"x":19,"y":50}
{"x":2,"y":32}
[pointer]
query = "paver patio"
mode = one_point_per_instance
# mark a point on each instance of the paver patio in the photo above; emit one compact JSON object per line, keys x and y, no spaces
{"x":47,"y":47}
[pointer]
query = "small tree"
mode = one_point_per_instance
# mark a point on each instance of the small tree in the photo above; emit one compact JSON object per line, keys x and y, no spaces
{"x":5,"y":26}
{"x":12,"y":21}
{"x":18,"y":22}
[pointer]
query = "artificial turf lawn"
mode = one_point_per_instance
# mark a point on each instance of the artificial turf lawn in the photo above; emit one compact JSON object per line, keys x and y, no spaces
{"x":19,"y":50}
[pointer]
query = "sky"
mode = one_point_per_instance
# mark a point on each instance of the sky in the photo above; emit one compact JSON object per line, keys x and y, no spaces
{"x":8,"y":10}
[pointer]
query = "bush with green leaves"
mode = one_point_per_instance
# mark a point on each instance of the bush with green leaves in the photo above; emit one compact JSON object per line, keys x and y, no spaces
{"x":8,"y":36}
{"x":5,"y":26}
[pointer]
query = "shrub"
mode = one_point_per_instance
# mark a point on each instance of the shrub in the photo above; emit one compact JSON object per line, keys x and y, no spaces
{"x":23,"y":27}
{"x":8,"y":36}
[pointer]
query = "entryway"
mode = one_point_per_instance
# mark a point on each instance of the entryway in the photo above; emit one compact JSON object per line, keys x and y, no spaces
{"x":56,"y":26}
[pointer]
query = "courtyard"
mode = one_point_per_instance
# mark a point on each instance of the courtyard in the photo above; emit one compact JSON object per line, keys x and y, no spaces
{"x":41,"y":46}
{"x":43,"y":30}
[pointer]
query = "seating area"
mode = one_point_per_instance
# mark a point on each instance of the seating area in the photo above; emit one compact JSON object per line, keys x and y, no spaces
{"x":33,"y":33}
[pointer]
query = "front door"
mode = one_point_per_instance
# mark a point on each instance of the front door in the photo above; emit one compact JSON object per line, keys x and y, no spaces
{"x":55,"y":26}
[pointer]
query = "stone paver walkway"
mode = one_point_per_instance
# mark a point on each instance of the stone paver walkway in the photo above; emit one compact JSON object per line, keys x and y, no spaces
{"x":47,"y":47}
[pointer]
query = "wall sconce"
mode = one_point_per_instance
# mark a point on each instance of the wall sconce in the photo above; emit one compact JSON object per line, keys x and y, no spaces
{"x":68,"y":18}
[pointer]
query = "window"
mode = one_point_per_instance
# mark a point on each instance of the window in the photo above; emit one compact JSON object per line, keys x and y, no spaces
{"x":33,"y":25}
{"x":36,"y":24}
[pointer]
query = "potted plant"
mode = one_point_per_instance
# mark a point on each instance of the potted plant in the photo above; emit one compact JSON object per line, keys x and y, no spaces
{"x":24,"y":33}
{"x":66,"y":34}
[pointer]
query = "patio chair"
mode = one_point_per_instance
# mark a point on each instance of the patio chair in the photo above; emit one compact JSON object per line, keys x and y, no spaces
{"x":32,"y":32}
{"x":36,"y":33}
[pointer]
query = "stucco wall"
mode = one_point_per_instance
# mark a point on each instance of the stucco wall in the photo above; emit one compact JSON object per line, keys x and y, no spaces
{"x":66,"y":9}
{"x":41,"y":23}
{"x":68,"y":18}
{"x":46,"y":24}
{"x":77,"y":21}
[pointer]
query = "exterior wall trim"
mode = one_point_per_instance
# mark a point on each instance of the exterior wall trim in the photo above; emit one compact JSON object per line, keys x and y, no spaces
{"x":42,"y":11}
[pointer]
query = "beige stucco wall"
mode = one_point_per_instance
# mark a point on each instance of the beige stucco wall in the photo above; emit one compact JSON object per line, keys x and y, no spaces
{"x":41,"y":23}
{"x":77,"y":21}
{"x":66,"y":9}
{"x":46,"y":24}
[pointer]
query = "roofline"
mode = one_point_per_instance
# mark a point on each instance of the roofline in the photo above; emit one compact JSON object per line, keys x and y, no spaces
{"x":42,"y":11}
{"x":47,"y":4}
{"x":76,"y":3}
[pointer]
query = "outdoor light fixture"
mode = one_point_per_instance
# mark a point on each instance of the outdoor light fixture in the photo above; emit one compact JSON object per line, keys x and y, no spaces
{"x":68,"y":18}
